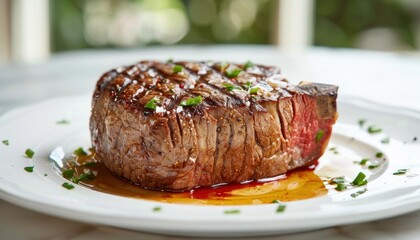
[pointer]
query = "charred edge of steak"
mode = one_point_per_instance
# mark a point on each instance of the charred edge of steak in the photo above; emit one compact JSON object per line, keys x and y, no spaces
{"x":248,"y":126}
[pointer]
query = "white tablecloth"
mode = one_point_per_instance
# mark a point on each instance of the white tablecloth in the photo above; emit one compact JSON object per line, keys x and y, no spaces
{"x":392,"y":79}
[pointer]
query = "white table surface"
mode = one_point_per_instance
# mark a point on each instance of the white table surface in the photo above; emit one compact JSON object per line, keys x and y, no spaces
{"x":392,"y":79}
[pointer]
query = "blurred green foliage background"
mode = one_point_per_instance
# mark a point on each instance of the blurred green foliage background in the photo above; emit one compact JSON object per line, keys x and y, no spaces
{"x":372,"y":24}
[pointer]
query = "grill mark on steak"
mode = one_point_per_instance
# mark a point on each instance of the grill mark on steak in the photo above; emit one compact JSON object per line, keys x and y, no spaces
{"x":133,"y":72}
{"x":211,"y":73}
{"x":125,"y":92}
{"x":209,"y":98}
{"x":220,"y":74}
{"x":105,"y":79}
{"x":148,"y":72}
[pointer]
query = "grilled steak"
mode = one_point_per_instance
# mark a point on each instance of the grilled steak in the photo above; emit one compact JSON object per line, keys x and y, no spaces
{"x":176,"y":126}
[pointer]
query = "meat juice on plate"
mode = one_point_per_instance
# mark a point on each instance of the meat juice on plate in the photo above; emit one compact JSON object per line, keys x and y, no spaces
{"x":295,"y":185}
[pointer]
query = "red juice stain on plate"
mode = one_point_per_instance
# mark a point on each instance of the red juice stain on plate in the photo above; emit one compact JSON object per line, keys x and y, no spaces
{"x":298,"y":184}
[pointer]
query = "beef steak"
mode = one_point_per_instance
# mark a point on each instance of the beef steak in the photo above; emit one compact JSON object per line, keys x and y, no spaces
{"x":176,"y":126}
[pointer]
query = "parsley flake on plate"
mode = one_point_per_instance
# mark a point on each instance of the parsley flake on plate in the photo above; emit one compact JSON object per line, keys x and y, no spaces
{"x":360,"y":180}
{"x":400,"y":172}
{"x":233,"y":211}
{"x":157,"y":209}
{"x":374,"y":129}
{"x":29,"y":169}
{"x":358,"y":193}
{"x":67,"y":185}
{"x":63,"y":122}
{"x":29,"y":153}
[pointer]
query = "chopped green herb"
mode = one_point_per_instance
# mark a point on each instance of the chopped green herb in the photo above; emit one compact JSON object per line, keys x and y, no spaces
{"x":67,"y":185}
{"x":89,"y":164}
{"x":341,"y":187}
{"x":5,"y":142}
{"x":400,"y":172}
{"x":356,"y":194}
{"x":379,"y":154}
{"x":319,"y":135}
{"x":64,"y":121}
{"x":363,"y":161}
{"x":190,"y":102}
{"x":45,"y":174}
{"x":29,"y":153}
{"x":338,"y":180}
{"x":334,"y":150}
{"x":247,"y":85}
{"x":281,"y":208}
{"x":177,"y":68}
{"x":170,"y":60}
{"x":361,"y":122}
{"x":254,"y":90}
{"x":248,"y":64}
{"x":359,"y":180}
{"x":373,"y":129}
{"x":373,"y":166}
{"x":152,"y":103}
{"x":157,"y":209}
{"x":233,"y":73}
{"x":29,"y":169}
{"x":277,"y":201}
{"x":229,"y":87}
{"x":233,"y":211}
{"x":385,"y":140}
{"x":68,"y":173}
{"x":80,"y":152}
{"x":84,"y":176}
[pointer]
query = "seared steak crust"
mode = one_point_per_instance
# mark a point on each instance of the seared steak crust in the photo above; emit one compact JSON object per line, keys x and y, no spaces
{"x":250,"y":124}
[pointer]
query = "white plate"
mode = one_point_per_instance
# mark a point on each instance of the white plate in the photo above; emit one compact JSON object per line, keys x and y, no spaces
{"x":388,"y":195}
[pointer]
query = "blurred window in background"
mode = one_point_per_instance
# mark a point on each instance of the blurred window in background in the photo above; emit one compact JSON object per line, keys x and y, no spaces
{"x":387,"y":25}
{"x":390,"y":25}
{"x":133,"y":23}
